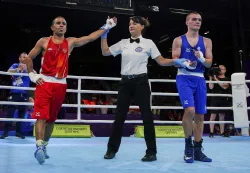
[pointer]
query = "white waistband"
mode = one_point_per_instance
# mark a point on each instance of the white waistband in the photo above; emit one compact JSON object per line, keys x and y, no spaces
{"x":182,"y":71}
{"x":53,"y":79}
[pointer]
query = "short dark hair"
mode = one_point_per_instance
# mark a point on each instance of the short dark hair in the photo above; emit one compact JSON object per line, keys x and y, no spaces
{"x":22,"y":53}
{"x":192,"y":12}
{"x":141,"y":20}
{"x":53,"y":21}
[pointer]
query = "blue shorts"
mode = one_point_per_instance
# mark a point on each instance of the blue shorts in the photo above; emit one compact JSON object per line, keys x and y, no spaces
{"x":192,"y":92}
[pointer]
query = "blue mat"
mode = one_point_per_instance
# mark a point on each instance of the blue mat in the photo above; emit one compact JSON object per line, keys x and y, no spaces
{"x":69,"y":155}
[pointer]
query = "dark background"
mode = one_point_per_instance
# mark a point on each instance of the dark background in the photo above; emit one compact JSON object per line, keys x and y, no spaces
{"x":24,"y":22}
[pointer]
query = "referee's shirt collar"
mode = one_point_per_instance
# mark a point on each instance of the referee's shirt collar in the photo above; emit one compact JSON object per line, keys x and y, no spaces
{"x":137,"y":37}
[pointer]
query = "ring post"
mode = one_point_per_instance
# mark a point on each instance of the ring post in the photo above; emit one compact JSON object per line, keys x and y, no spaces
{"x":240,"y":102}
{"x":79,"y":100}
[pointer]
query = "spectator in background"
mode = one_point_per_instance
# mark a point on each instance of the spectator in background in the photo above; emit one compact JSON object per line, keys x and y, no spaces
{"x":219,"y":88}
{"x":17,"y":95}
{"x":104,"y":100}
{"x":27,"y":127}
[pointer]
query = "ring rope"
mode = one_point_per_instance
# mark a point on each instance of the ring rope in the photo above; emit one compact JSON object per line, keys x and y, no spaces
{"x":108,"y":78}
{"x":79,"y":105}
{"x":108,"y":92}
{"x":110,"y":121}
{"x":111,"y":106}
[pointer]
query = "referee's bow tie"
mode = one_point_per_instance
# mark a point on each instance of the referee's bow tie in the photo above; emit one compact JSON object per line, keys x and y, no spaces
{"x":136,"y":40}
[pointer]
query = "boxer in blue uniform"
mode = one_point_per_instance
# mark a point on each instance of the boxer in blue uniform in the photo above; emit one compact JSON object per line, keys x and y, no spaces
{"x":191,"y":85}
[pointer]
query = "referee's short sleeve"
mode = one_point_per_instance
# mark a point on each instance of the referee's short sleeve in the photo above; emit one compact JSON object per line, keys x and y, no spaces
{"x":116,"y":48}
{"x":154,"y":52}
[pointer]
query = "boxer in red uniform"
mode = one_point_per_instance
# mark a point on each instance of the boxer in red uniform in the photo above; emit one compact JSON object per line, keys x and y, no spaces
{"x":51,"y":82}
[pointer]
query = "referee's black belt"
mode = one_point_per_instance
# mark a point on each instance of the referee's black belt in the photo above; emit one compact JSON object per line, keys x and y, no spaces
{"x":133,"y":76}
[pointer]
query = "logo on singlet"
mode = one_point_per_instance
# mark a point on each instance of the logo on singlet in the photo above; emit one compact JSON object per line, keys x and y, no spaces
{"x":37,"y":114}
{"x":187,"y":50}
{"x":138,"y":49}
{"x":64,"y":50}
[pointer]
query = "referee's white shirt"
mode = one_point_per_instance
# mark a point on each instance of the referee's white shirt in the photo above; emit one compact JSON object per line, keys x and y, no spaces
{"x":135,"y":55}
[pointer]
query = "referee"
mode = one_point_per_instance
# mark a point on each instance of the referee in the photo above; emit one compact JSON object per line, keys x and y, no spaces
{"x":135,"y":52}
{"x":17,"y":95}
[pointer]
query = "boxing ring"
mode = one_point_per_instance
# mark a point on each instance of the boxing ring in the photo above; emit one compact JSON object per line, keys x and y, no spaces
{"x":86,"y":154}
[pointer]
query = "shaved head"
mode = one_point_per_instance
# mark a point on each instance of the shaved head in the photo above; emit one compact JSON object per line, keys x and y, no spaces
{"x":53,"y":22}
{"x":194,"y":12}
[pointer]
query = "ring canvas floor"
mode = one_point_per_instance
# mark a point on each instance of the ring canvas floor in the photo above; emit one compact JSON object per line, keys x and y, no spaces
{"x":85,"y":155}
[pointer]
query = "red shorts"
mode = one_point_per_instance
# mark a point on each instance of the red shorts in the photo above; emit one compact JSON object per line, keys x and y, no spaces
{"x":49,"y":98}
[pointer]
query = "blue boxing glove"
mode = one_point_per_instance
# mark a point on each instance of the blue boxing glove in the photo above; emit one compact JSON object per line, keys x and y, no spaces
{"x":104,"y":35}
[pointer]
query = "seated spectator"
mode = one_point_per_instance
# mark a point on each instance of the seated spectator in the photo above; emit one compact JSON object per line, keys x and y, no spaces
{"x":104,"y":100}
{"x":90,"y":102}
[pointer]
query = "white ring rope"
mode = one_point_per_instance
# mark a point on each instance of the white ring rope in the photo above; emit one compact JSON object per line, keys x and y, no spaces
{"x":79,"y":105}
{"x":108,"y":92}
{"x":110,"y":121}
{"x":110,"y":106}
{"x":108,"y":78}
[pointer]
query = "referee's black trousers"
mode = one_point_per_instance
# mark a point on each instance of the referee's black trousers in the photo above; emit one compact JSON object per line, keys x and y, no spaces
{"x":138,"y":89}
